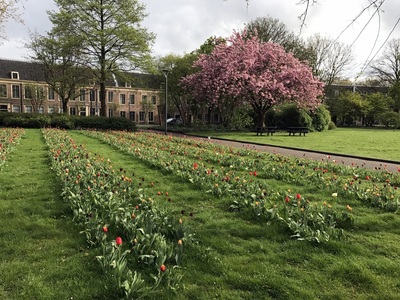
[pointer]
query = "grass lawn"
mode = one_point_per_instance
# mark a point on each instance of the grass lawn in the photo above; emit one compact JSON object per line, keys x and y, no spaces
{"x":375,"y":143}
{"x":42,"y":254}
{"x":237,"y":256}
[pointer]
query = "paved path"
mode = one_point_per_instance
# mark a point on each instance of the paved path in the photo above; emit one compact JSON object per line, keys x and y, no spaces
{"x":349,"y":160}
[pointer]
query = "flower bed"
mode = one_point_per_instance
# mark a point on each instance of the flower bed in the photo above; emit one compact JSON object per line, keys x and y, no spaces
{"x":241,"y":176}
{"x":9,"y":138}
{"x":140,"y":242}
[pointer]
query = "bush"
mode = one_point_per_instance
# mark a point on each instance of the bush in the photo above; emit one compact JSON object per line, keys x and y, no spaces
{"x":25,"y":120}
{"x":321,"y":118}
{"x":331,"y":125}
{"x":288,"y":115}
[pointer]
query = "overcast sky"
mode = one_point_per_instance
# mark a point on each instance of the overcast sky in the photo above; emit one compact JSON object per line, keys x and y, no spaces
{"x":183,"y":25}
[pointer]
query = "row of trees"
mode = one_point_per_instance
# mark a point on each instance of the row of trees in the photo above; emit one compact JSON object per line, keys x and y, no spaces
{"x":260,"y":66}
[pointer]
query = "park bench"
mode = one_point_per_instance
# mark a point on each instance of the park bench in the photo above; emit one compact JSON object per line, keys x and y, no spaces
{"x":268,"y":130}
{"x":299,"y":130}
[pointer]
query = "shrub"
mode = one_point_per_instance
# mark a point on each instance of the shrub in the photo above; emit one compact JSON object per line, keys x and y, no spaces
{"x":288,"y":115}
{"x":26,"y":120}
{"x":331,"y":125}
{"x":321,"y":118}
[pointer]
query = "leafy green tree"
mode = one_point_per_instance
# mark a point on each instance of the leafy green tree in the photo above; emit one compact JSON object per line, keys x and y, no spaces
{"x":110,"y":34}
{"x":394,"y":93}
{"x":59,"y":58}
{"x":347,"y":108}
{"x":378,"y":106}
{"x":179,"y":67}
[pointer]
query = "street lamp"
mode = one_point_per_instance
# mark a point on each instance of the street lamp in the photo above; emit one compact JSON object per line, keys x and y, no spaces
{"x":166,"y":71}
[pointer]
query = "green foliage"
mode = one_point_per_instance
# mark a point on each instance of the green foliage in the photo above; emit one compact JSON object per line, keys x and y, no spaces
{"x":390,"y":119}
{"x":65,"y":121}
{"x":321,"y":118}
{"x":288,"y":115}
{"x":331,"y":125}
{"x":240,"y":119}
{"x":112,"y":123}
{"x":378,"y":105}
{"x":27,"y":120}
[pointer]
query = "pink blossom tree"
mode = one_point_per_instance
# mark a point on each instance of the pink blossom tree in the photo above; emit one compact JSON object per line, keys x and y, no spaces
{"x":247,"y":71}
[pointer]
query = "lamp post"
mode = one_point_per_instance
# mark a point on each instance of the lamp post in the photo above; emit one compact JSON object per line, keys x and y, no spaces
{"x":166,"y":71}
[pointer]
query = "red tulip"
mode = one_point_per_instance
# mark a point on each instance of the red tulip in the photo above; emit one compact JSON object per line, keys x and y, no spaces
{"x":118,"y":241}
{"x":298,"y":196}
{"x":105,"y":229}
{"x":163,"y":268}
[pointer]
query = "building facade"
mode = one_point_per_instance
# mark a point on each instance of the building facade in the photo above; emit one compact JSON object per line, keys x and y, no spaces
{"x":23,"y":88}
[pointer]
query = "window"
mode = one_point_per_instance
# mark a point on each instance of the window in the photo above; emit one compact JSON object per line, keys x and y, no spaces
{"x":60,"y":110}
{"x":28,"y":92}
{"x":3,"y":91}
{"x":82,"y":111}
{"x":122,"y":98}
{"x":15,"y":91}
{"x":14,"y":75}
{"x":141,"y":116}
{"x":128,"y":84}
{"x":16,"y":108}
{"x":28,"y":109}
{"x":92,"y":95}
{"x":144,"y":98}
{"x":122,"y":114}
{"x":110,"y":97}
{"x":51,"y":110}
{"x":151,"y":116}
{"x":132,"y":116}
{"x":82,"y":96}
{"x":206,"y":117}
{"x":51,"y":93}
{"x":110,"y":112}
{"x":131,"y":99}
{"x":3,"y":107}
{"x":92,"y":111}
{"x":41,"y":110}
{"x":154,"y":99}
{"x":72,"y":111}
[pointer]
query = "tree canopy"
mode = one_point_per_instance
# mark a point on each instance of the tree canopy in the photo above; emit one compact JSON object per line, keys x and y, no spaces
{"x":246,"y":70}
{"x":110,"y":35}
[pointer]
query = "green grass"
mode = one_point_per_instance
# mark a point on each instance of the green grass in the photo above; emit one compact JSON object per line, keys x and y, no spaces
{"x":43,"y":255}
{"x":236,"y":257}
{"x":375,"y":143}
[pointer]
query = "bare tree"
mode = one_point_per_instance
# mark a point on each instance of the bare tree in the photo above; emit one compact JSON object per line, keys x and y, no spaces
{"x":328,"y":58}
{"x":8,"y":11}
{"x":387,"y":66}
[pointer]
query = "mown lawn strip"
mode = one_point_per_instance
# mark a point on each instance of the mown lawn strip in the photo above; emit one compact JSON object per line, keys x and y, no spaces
{"x":43,"y":254}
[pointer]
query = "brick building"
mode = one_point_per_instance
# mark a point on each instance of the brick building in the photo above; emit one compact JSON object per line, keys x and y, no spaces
{"x":123,"y":99}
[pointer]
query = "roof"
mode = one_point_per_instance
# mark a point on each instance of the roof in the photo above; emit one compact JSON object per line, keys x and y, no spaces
{"x":27,"y":70}
{"x":31,"y":71}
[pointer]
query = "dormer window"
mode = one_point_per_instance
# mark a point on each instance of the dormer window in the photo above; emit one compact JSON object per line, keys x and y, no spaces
{"x":128,"y":84}
{"x":14,"y":75}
